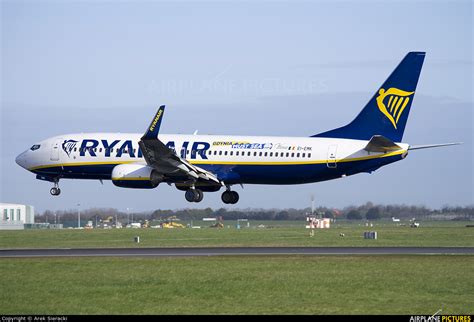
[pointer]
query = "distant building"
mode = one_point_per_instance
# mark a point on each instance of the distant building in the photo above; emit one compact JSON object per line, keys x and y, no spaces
{"x":318,"y":222}
{"x":15,"y":216}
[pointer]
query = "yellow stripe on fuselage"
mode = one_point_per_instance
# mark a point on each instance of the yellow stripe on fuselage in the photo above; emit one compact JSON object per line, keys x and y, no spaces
{"x":302,"y":162}
{"x":369,"y":157}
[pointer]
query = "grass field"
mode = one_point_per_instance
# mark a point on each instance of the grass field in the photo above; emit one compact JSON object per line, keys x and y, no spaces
{"x":282,"y":234}
{"x":413,"y":285}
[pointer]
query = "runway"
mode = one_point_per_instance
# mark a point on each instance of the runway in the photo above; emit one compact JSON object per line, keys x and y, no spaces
{"x":232,"y":251}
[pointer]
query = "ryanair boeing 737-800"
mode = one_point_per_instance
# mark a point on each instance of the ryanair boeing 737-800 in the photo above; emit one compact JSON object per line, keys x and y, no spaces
{"x":208,"y":163}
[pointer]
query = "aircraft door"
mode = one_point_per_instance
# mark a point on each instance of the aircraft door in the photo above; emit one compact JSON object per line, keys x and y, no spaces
{"x":55,"y":146}
{"x":331,"y":160}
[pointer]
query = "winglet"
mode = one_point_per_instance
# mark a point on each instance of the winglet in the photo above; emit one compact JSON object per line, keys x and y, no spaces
{"x":154,"y":128}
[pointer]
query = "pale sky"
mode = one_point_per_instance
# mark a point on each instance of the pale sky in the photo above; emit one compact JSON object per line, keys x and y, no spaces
{"x":268,"y":68}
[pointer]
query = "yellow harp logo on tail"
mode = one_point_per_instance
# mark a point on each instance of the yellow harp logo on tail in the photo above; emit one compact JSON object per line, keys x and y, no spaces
{"x":396,"y":102}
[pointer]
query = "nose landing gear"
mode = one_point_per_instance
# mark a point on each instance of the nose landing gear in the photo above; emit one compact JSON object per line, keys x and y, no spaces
{"x":55,"y":191}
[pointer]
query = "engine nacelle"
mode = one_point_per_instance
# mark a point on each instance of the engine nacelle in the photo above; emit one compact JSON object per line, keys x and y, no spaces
{"x":135,"y":176}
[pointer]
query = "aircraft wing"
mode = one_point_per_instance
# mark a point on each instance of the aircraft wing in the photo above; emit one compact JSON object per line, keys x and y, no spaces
{"x":165,"y":160}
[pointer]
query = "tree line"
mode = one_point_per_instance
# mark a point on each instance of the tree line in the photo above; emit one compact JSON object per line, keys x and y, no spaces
{"x":368,"y":211}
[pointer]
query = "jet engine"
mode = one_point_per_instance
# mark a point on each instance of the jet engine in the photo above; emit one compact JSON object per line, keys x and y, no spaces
{"x":135,"y":176}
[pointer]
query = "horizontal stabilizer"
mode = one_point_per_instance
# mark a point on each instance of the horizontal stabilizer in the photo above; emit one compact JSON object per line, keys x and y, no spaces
{"x":379,"y":143}
{"x":419,"y":147}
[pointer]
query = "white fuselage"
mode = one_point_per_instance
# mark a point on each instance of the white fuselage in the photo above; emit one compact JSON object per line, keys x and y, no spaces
{"x":69,"y":151}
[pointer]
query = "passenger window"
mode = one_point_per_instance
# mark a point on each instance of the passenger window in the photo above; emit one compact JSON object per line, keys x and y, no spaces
{"x":303,"y":155}
{"x":309,"y":155}
{"x":298,"y":155}
{"x":287,"y":155}
{"x":248,"y":154}
{"x":276,"y":154}
{"x":100,"y":150}
{"x":237,"y":153}
{"x":75,"y":149}
{"x":260,"y":154}
{"x":225,"y":153}
{"x":231,"y":153}
{"x":255,"y":154}
{"x":266,"y":153}
{"x":271,"y":154}
{"x":220,"y":152}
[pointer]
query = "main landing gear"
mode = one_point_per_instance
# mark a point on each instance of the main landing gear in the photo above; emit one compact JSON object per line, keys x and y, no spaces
{"x":55,"y":191}
{"x":194,"y":195}
{"x":230,"y":197}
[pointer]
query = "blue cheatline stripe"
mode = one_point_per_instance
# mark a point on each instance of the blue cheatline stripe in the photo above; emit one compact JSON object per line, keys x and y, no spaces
{"x":257,"y":173}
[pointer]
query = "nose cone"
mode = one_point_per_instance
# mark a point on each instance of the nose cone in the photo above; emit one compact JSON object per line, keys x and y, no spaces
{"x":21,"y":160}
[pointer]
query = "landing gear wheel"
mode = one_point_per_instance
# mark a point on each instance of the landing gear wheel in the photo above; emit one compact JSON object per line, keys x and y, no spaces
{"x":199,"y":195}
{"x":235,"y":197}
{"x":194,"y":195}
{"x":230,"y":197}
{"x":55,"y":191}
{"x":190,"y":195}
{"x":226,"y":197}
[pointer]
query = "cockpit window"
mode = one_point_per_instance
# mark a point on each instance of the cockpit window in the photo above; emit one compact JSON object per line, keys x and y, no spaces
{"x":35,"y":147}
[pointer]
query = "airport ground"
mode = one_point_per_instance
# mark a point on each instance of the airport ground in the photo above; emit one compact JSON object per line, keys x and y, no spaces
{"x":275,"y":233}
{"x":395,"y":284}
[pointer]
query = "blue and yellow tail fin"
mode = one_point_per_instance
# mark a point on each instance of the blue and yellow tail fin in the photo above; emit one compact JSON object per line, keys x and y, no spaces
{"x":387,"y":112}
